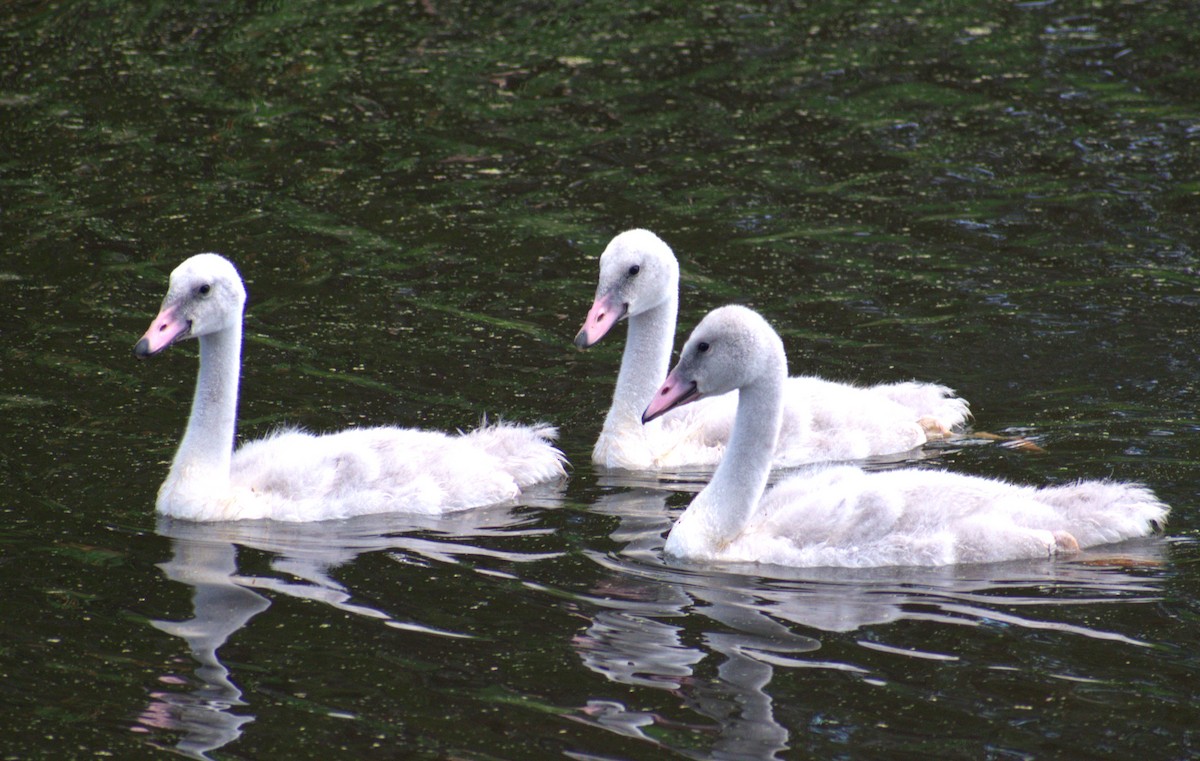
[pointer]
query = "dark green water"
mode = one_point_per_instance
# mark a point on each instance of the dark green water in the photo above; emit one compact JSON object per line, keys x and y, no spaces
{"x":999,"y":196}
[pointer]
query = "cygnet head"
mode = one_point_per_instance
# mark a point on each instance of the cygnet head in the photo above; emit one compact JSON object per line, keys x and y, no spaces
{"x":733,"y":347}
{"x":638,"y":272}
{"x":205,"y":295}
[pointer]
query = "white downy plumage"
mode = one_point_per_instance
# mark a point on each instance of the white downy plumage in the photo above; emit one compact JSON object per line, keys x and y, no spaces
{"x":822,"y":420}
{"x":843,"y":516}
{"x":293,"y":475}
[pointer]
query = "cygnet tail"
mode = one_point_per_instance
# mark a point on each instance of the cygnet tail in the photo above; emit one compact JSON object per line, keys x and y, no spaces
{"x":930,"y":401}
{"x":1101,"y":512}
{"x":525,"y":451}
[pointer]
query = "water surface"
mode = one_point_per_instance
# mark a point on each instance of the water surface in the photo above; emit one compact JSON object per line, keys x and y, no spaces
{"x":997,"y":196}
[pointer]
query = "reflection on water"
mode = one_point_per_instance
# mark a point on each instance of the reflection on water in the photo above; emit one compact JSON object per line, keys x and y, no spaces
{"x":204,"y":556}
{"x":222,"y":606}
{"x":756,"y":619}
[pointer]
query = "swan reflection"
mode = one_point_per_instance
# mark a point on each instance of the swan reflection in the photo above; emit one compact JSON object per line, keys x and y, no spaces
{"x":303,"y":557}
{"x":221,"y":607}
{"x":656,"y":623}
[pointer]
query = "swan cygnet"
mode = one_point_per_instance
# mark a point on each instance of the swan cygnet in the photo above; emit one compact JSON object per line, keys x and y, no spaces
{"x":293,"y":475}
{"x":822,"y":420}
{"x":840,"y":515}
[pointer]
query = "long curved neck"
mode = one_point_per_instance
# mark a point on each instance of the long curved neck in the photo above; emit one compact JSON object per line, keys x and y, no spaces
{"x":644,"y":364}
{"x":207,"y":446}
{"x":720,"y":512}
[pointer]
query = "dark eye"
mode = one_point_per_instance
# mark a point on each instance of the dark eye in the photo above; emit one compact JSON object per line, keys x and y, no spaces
{"x":204,"y":289}
{"x":702,"y":347}
{"x":635,"y":269}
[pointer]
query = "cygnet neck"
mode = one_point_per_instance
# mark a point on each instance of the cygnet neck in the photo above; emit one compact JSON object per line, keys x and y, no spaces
{"x":644,"y":363}
{"x":731,"y":498}
{"x":207,"y":446}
